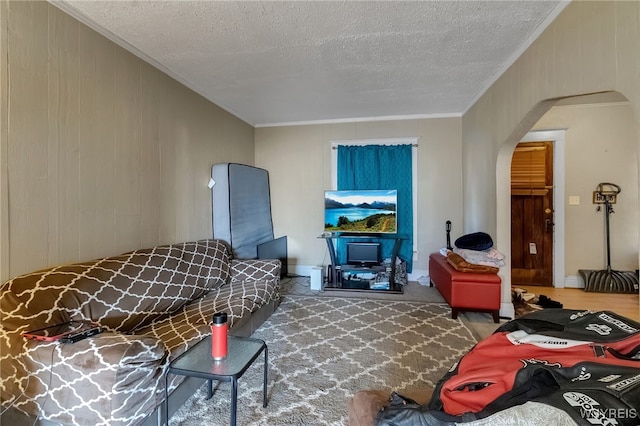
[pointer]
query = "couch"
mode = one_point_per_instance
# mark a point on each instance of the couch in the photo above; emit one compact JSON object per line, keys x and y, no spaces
{"x":153,"y":304}
{"x":465,"y":291}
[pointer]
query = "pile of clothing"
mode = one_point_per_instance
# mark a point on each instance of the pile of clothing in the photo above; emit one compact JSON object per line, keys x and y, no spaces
{"x":555,"y":366}
{"x":525,"y":302}
{"x":477,"y":249}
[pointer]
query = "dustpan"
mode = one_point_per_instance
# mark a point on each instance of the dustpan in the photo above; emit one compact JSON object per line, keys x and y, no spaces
{"x":609,"y":280}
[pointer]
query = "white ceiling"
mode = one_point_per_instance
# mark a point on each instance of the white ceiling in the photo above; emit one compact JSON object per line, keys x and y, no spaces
{"x":273,"y":63}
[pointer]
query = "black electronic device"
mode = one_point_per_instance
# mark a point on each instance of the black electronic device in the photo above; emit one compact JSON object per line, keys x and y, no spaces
{"x":363,"y":254}
{"x":83,"y":334}
{"x":68,"y":332}
{"x":275,"y":249}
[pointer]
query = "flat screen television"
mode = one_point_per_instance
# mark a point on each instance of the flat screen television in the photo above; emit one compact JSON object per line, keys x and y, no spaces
{"x":364,"y":254}
{"x":361,"y":211}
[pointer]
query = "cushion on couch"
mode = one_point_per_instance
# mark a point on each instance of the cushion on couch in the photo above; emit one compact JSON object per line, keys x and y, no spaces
{"x":128,"y":291}
{"x":192,"y":322}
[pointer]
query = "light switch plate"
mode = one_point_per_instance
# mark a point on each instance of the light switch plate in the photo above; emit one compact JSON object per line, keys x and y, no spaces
{"x":574,"y":200}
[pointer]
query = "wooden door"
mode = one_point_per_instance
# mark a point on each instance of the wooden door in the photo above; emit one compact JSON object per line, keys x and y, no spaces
{"x":532,"y":214}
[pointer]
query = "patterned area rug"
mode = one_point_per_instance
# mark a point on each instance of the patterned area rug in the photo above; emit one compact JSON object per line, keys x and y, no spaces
{"x":324,"y":349}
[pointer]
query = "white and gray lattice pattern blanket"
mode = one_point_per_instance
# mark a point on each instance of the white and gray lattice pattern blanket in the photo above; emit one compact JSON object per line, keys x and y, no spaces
{"x":154,"y":304}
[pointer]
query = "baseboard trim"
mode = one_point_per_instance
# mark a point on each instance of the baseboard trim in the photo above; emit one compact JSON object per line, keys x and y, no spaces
{"x":419,"y":275}
{"x":507,"y":310}
{"x":304,"y":270}
{"x":573,"y":281}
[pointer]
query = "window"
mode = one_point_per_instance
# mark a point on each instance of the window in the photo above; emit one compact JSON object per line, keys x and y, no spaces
{"x":382,"y":164}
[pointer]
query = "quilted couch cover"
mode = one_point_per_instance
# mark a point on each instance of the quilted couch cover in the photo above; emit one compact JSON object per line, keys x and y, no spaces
{"x":153,"y":303}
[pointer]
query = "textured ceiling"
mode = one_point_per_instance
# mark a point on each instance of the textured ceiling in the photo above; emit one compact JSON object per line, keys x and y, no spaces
{"x":304,"y":61}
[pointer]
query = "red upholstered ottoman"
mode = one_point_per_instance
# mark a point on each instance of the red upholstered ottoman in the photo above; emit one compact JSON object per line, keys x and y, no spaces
{"x":465,"y":291}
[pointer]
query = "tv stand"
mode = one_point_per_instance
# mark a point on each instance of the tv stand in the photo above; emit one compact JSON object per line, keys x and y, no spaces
{"x":336,"y":270}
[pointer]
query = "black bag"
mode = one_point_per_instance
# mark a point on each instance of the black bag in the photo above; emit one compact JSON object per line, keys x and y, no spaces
{"x":476,"y":241}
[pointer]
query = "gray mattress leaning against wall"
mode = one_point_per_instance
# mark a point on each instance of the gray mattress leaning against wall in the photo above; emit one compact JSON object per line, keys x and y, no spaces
{"x":241,"y":207}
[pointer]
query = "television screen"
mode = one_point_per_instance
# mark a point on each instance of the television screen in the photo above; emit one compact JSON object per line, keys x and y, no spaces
{"x":361,"y":211}
{"x":363,"y":253}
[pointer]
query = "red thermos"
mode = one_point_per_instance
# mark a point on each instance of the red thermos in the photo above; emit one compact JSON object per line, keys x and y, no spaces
{"x":219,"y":331}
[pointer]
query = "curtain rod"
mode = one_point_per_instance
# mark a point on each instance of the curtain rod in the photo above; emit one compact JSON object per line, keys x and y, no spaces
{"x":415,"y":145}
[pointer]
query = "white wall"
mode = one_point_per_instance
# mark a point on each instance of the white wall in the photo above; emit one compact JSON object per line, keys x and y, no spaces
{"x":591,"y":47}
{"x":600,"y":146}
{"x":298,"y":159}
{"x":100,"y":153}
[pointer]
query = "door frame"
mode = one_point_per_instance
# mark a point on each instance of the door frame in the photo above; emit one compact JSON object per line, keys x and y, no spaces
{"x":557,"y":137}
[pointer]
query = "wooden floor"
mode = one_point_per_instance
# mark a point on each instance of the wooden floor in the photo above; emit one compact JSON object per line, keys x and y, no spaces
{"x":574,"y":298}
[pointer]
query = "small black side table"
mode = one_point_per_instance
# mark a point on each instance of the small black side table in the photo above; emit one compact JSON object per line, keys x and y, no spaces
{"x":198,"y":362}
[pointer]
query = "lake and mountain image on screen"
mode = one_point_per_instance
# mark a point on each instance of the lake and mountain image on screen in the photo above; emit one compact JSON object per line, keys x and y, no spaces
{"x":367,"y":211}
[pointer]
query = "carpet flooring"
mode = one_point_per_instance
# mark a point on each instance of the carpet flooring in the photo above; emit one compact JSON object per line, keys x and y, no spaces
{"x":481,"y":324}
{"x":323,"y":349}
{"x":413,"y":292}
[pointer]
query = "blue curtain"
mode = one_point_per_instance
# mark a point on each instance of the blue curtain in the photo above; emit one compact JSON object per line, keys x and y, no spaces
{"x":382,"y":167}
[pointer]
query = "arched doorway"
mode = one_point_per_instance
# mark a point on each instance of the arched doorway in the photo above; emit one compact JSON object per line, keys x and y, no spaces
{"x":577,"y":238}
